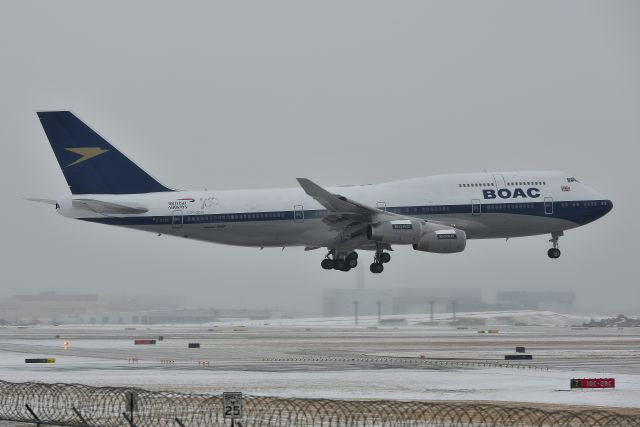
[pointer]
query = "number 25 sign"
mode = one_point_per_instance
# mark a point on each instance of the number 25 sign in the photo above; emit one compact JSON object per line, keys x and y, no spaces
{"x":232,"y":405}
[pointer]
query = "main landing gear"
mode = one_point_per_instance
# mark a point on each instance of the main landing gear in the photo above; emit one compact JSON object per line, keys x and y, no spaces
{"x":345,"y":262}
{"x":341,"y":263}
{"x":554,"y":252}
{"x":379,"y":259}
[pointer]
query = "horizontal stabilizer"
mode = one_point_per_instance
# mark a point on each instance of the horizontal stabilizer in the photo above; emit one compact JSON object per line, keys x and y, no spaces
{"x":98,"y":206}
{"x":47,"y":201}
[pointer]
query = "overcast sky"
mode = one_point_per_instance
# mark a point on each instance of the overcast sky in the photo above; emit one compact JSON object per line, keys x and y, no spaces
{"x":240,"y":94}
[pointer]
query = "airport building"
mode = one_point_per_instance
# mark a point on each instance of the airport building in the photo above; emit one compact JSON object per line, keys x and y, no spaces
{"x":45,"y":305}
{"x":91,"y":309}
{"x":51,"y":307}
{"x":340,"y":302}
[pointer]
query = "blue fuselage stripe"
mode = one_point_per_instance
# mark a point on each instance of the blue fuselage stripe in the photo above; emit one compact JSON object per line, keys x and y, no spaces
{"x":580,"y":212}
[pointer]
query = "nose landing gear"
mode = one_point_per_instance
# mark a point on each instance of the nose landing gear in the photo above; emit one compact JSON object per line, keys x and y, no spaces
{"x":554,"y":252}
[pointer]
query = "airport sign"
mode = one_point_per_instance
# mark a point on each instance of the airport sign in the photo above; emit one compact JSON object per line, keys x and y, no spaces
{"x":232,"y":405}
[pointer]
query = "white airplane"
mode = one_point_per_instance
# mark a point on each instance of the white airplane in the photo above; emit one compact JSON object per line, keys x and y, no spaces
{"x":433,"y":214}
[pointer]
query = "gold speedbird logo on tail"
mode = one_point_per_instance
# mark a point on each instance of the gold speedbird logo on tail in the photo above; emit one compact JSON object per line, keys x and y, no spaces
{"x":85,"y":153}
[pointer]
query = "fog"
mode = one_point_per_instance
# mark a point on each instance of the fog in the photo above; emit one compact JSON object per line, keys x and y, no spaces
{"x":232,"y":95}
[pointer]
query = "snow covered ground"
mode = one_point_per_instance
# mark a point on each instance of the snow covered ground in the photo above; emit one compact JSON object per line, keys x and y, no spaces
{"x":243,"y":360}
{"x":499,"y":384}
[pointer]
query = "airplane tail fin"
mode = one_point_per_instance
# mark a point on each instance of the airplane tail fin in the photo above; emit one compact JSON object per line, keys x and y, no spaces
{"x":89,"y":163}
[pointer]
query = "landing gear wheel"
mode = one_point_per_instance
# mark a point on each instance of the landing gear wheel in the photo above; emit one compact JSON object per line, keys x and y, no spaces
{"x":327,"y":264}
{"x":554,"y":253}
{"x":352,"y":262}
{"x":376,"y":267}
{"x":339,"y":264}
{"x":385,"y":257}
{"x":353,"y":255}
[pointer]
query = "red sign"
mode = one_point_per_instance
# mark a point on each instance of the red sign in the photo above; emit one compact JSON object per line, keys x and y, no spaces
{"x":138,"y":342}
{"x":593,"y":383}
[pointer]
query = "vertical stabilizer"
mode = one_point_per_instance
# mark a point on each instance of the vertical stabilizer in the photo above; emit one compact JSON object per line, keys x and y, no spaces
{"x":89,"y":163}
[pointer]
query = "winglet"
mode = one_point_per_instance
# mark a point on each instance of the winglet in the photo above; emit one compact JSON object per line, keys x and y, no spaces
{"x":311,"y":188}
{"x":332,"y":202}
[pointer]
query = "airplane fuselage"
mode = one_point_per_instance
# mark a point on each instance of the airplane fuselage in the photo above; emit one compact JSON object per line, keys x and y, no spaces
{"x":484,"y":205}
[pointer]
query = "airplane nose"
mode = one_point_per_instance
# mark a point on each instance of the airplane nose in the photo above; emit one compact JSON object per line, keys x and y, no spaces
{"x":604,"y":206}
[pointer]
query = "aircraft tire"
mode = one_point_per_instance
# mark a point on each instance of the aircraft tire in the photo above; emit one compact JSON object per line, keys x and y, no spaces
{"x":327,"y":264}
{"x":339,"y":264}
{"x":352,"y":262}
{"x":385,"y":257}
{"x":553,"y":253}
{"x":376,"y":268}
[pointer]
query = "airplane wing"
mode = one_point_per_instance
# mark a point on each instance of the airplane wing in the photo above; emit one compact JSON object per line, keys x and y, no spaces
{"x":350,"y":218}
{"x":335,"y":202}
{"x":101,"y":207}
{"x":347,"y":216}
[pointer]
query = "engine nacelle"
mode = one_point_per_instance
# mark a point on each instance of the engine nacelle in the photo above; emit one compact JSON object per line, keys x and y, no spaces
{"x":446,"y":241}
{"x":397,"y":232}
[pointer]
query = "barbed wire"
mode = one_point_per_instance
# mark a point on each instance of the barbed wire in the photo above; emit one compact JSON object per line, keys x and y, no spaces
{"x":82,"y":405}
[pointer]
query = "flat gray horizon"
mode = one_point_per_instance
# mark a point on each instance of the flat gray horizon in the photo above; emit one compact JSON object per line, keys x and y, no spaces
{"x":231,"y":95}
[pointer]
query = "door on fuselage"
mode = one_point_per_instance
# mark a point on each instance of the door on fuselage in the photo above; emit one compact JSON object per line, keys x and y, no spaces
{"x":476,"y":207}
{"x":548,"y":205}
{"x":298,"y":213}
{"x":499,"y":180}
{"x":176,"y":219}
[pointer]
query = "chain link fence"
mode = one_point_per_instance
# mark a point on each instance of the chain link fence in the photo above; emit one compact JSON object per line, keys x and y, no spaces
{"x":81,"y":405}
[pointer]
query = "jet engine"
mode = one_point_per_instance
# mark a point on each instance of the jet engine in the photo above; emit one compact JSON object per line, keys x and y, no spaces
{"x":444,"y":241}
{"x":397,"y":232}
